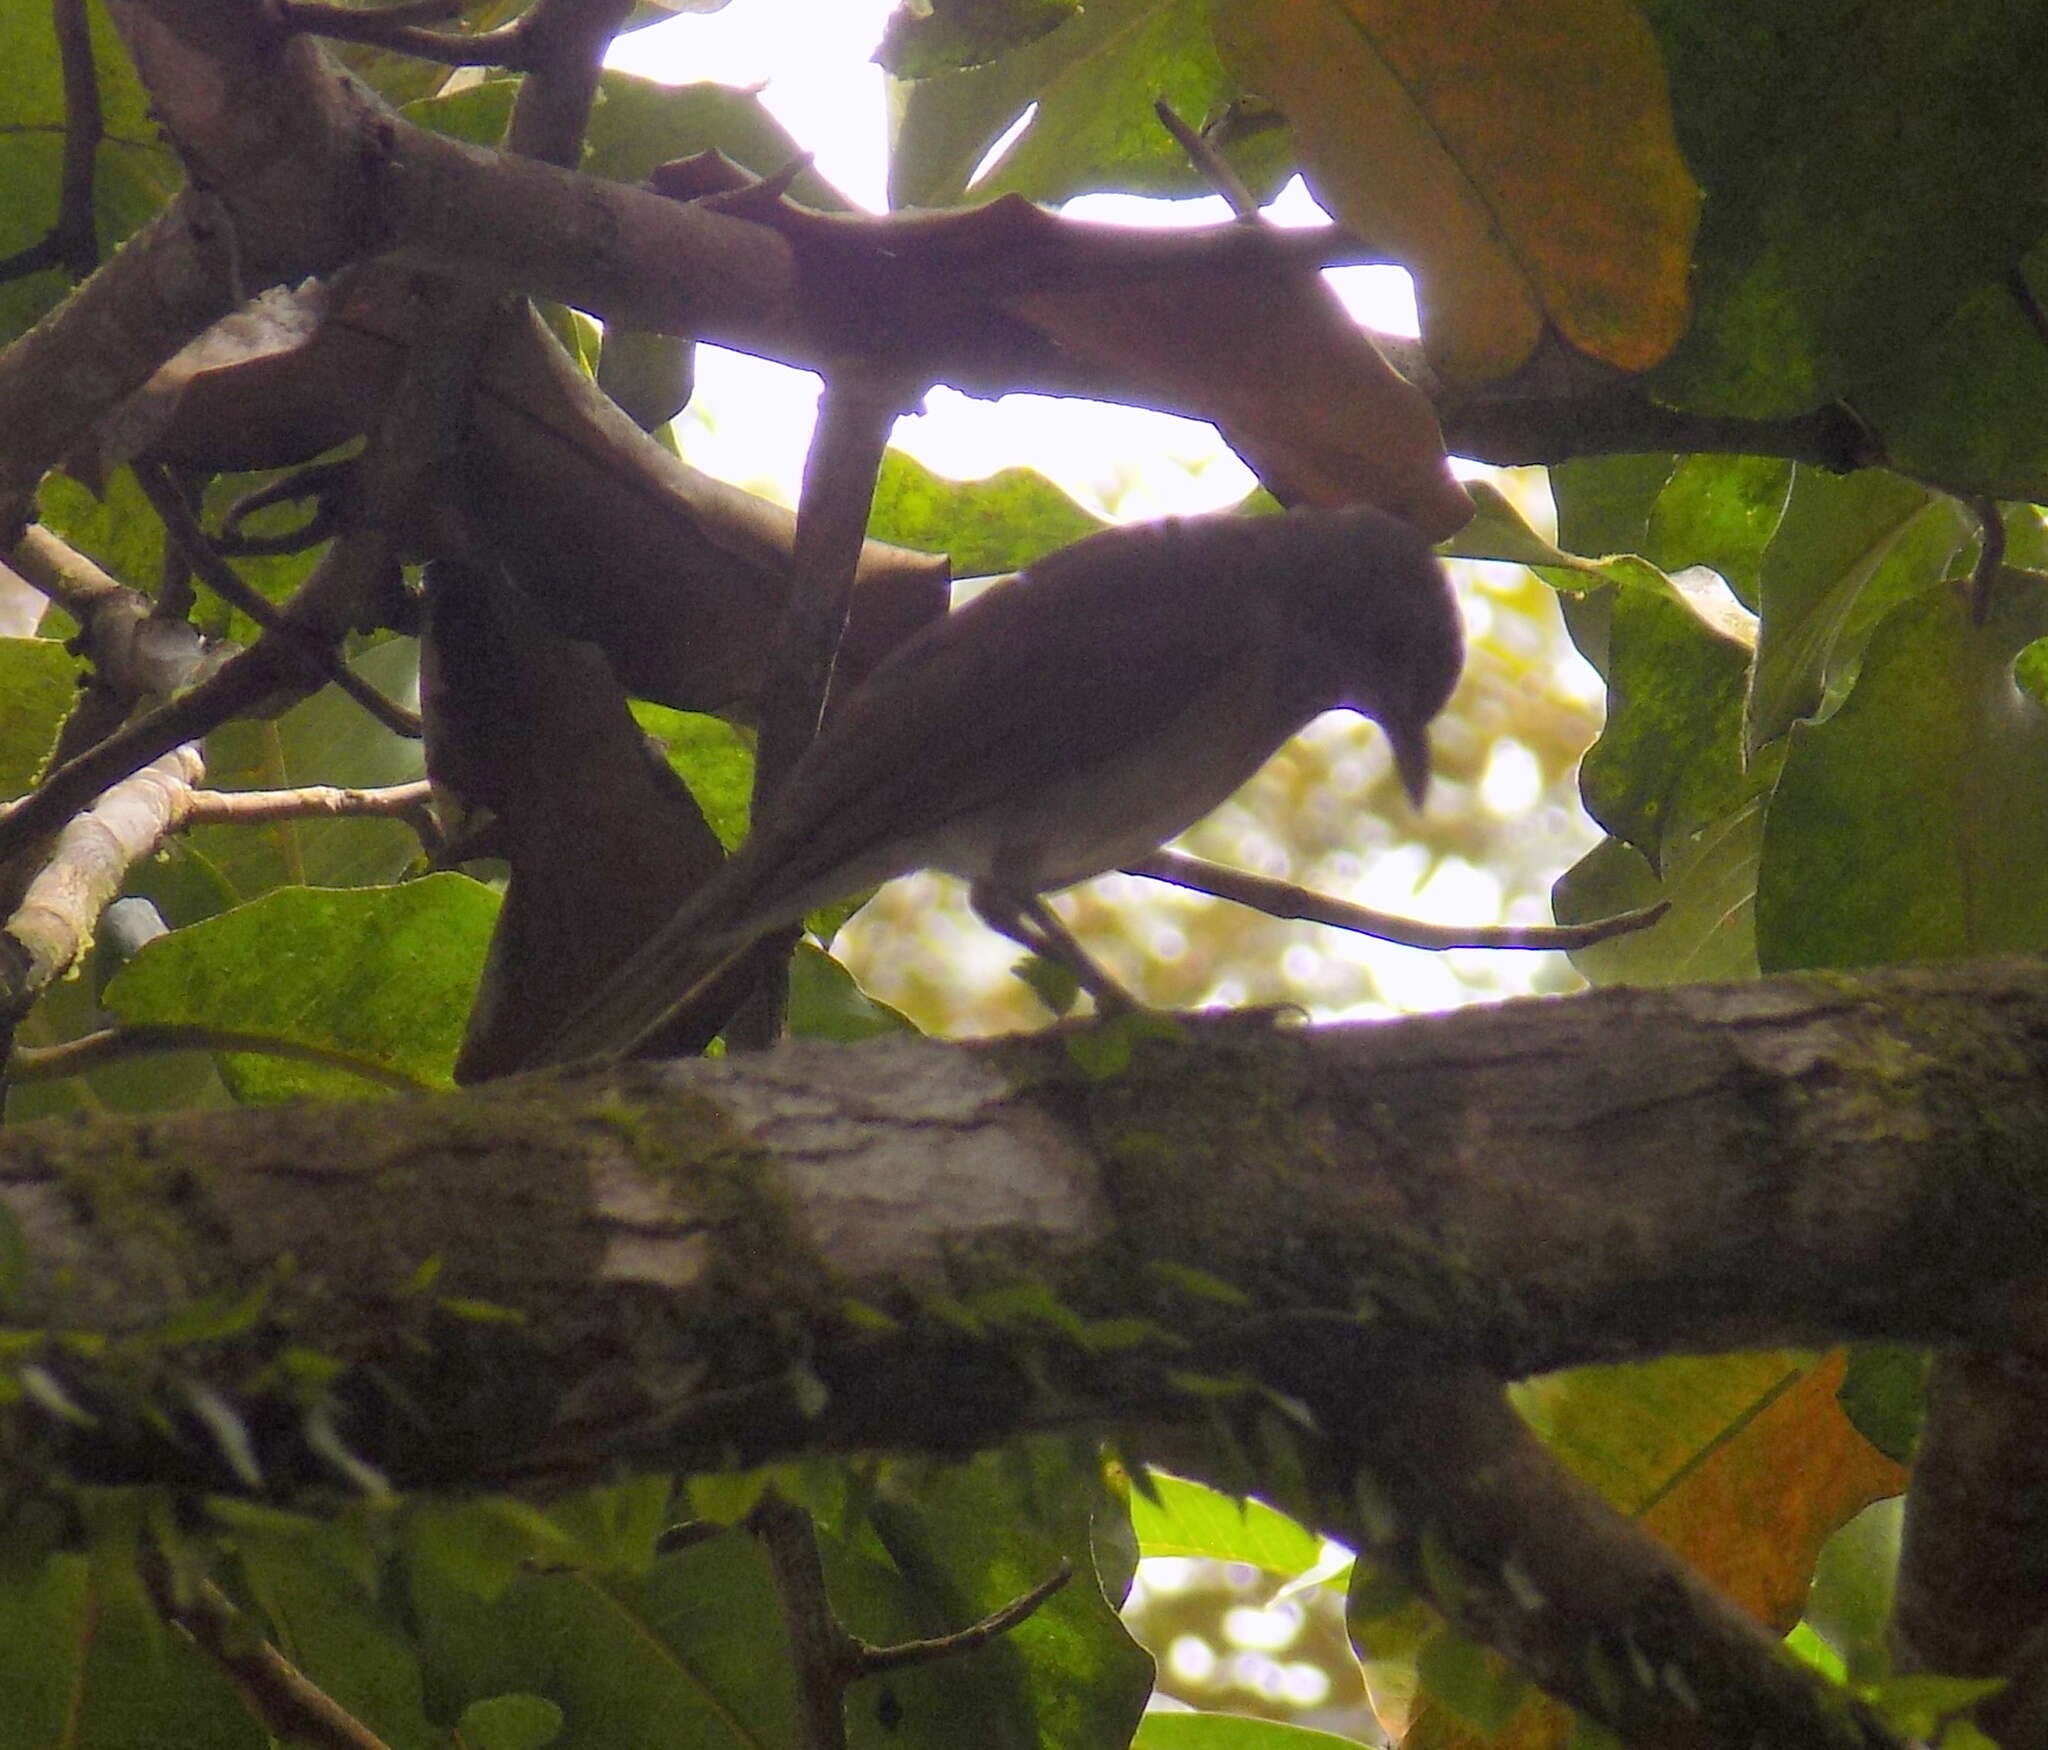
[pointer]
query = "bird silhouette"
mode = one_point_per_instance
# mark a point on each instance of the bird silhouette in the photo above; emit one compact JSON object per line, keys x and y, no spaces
{"x":1065,"y":722}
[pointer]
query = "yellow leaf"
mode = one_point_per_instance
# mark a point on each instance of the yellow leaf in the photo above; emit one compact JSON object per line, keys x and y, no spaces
{"x":1520,"y":159}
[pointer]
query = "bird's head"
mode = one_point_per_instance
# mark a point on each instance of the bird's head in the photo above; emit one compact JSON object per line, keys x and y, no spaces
{"x":1380,"y":625}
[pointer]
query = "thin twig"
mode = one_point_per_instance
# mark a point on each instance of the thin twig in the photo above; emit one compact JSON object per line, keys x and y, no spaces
{"x":978,"y":1634}
{"x":1990,"y":557}
{"x":291,"y":1707}
{"x":825,"y":1656}
{"x":829,"y":1660}
{"x":1210,"y":162}
{"x":109,"y":1045}
{"x":856,"y":414}
{"x":313,"y":802}
{"x":72,"y":241}
{"x":1284,"y":899}
{"x":239,"y":685}
{"x":506,"y":47}
{"x":2022,"y":291}
{"x":221,"y":577}
{"x":325,"y":483}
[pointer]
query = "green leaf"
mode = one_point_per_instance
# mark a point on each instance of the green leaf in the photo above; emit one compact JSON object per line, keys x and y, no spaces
{"x":641,"y":123}
{"x":941,"y":1547}
{"x":638,"y":124}
{"x":712,"y":757}
{"x":1865,"y":174}
{"x":1669,"y":759}
{"x":1473,"y":1681}
{"x":1968,"y":405}
{"x":1499,"y":531}
{"x":1884,"y":1394}
{"x":999,"y":524}
{"x":511,"y":1722}
{"x":693,"y":1654}
{"x":1907,"y":826}
{"x":1094,"y":79}
{"x":1850,"y":1604}
{"x":826,"y":1003}
{"x":134,"y":171}
{"x":340,"y":1633}
{"x":115,"y":527}
{"x":1719,"y":511}
{"x":380,"y":977}
{"x":1179,"y":1731}
{"x":1849,"y":549}
{"x":89,"y":1666}
{"x":1604,"y":503}
{"x":39,"y":682}
{"x":1186,"y":1518}
{"x":482,"y":1546}
{"x":956,"y":34}
{"x":326,"y":739}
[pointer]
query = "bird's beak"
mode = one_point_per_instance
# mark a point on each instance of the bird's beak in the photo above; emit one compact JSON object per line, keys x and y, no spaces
{"x":1411,"y":760}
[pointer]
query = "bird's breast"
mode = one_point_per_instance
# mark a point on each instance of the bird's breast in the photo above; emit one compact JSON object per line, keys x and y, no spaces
{"x":1108,"y":807}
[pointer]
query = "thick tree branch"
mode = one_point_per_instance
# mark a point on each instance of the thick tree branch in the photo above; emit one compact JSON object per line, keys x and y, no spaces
{"x":1607,"y":1177}
{"x":674,"y":1259}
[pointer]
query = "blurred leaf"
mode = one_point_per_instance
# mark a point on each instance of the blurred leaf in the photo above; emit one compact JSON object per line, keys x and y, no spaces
{"x":89,"y":1666}
{"x":382,"y":976}
{"x":1907,"y":826}
{"x":1473,"y":1681}
{"x":1849,"y":549}
{"x":1850,"y":1605}
{"x":39,"y":680}
{"x":956,"y":34}
{"x":641,"y":123}
{"x":651,"y":376}
{"x":1499,"y":531}
{"x":339,"y":1632}
{"x":511,"y":1722}
{"x":1743,"y":1464}
{"x":1178,"y":1731}
{"x":999,"y":524}
{"x":713,"y":758}
{"x":693,"y":1654}
{"x":826,"y":1003}
{"x":1866,"y":173}
{"x":1521,"y":161}
{"x":115,"y":527}
{"x":1884,"y":1396}
{"x":1094,"y":79}
{"x":945,"y":1546}
{"x":1190,"y":1519}
{"x":482,"y":1546}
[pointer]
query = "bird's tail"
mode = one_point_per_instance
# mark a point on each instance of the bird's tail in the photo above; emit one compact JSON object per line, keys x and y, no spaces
{"x":672,"y":968}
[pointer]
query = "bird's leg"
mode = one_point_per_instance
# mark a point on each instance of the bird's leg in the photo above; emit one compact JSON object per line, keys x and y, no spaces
{"x":1029,"y":922}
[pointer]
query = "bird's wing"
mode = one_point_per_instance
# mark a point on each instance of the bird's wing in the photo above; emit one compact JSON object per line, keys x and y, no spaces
{"x":1032,"y":681}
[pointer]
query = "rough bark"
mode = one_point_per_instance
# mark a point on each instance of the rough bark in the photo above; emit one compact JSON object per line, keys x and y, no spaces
{"x":912,"y":1244}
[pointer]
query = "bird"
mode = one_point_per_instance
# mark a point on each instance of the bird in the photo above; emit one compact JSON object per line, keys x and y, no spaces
{"x":1065,"y":722}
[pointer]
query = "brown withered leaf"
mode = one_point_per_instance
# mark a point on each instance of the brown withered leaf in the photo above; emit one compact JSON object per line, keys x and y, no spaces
{"x":1225,"y":324}
{"x":678,"y":577}
{"x":530,"y":731}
